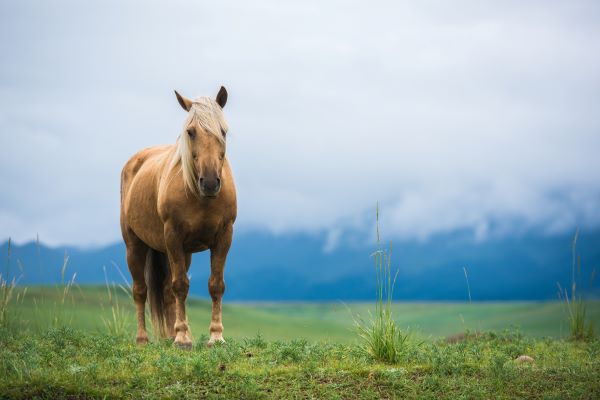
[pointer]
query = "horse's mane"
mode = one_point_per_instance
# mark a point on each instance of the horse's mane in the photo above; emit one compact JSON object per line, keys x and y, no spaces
{"x":209,"y":115}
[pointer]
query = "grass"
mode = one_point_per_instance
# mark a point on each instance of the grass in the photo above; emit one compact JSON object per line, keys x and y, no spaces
{"x":69,"y":363}
{"x":64,"y":295}
{"x":119,"y":321}
{"x":576,"y":307}
{"x":10,"y":294}
{"x":88,"y":306}
{"x":287,"y":351}
{"x":382,"y":337}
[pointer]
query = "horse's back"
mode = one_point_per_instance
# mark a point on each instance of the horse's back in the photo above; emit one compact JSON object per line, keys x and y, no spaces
{"x":148,"y":158}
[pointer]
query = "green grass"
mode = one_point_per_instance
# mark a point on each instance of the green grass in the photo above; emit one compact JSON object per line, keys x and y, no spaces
{"x":68,"y":363}
{"x":86,"y":308}
{"x":59,"y":346}
{"x":580,"y":327}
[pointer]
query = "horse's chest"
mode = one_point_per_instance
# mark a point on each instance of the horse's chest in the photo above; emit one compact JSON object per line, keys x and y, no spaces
{"x":200,"y":232}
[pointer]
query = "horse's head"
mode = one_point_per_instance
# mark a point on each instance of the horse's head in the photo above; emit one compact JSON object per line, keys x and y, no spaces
{"x":202,"y":143}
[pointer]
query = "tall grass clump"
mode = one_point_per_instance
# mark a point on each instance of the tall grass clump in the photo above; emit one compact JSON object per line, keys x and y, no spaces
{"x":382,"y":338}
{"x":118,"y":322}
{"x":8,"y":293}
{"x":8,"y":296}
{"x":580,"y":328}
{"x":64,"y":290}
{"x":61,"y":311}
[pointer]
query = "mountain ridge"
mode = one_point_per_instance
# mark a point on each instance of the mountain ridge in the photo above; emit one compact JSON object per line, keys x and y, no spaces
{"x":264,"y":266}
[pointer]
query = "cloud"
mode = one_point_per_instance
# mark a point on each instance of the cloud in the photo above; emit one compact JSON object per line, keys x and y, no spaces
{"x":453,"y":116}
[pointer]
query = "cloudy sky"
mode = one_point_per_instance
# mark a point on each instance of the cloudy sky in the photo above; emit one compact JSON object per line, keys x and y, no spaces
{"x":478,"y":116}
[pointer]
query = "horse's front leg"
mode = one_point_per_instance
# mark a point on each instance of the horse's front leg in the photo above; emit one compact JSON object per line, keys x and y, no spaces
{"x":180,"y":284}
{"x":216,"y":283}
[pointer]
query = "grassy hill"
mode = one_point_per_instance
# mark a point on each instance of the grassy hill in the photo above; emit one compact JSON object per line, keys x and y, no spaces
{"x":64,"y":363}
{"x":56,"y":344}
{"x":87,"y":308}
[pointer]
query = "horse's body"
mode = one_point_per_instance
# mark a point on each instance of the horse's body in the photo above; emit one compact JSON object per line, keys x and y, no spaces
{"x":177,"y":200}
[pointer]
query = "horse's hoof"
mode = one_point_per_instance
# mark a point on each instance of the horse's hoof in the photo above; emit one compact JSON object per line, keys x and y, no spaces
{"x":141,"y":341}
{"x":212,"y":342}
{"x":183,"y":345}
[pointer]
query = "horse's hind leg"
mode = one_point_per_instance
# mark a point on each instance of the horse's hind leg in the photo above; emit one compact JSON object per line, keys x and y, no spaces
{"x":170,"y":301}
{"x":136,"y":261}
{"x":216,"y":283}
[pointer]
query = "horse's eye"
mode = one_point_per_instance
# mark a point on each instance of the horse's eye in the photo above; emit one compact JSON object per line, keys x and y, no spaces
{"x":195,"y":156}
{"x":221,"y":156}
{"x":191,"y":132}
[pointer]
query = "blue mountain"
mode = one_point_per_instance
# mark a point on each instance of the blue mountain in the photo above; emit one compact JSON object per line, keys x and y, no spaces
{"x":262,"y":266}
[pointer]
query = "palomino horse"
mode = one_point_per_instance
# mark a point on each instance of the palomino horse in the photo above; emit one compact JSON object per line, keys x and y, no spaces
{"x":177,"y":200}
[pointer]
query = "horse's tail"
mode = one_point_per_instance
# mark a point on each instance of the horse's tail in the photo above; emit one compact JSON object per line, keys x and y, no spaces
{"x":157,"y":274}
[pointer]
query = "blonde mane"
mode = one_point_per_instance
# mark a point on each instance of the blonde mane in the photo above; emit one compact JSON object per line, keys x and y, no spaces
{"x":209,"y":115}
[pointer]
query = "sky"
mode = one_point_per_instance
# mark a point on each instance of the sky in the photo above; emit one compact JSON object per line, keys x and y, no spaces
{"x":478,"y":116}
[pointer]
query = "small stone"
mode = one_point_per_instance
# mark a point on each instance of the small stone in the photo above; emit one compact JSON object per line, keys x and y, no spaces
{"x":524,"y":359}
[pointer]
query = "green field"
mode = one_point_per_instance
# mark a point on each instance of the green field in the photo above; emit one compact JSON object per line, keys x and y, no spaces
{"x":57,"y":345}
{"x":86,"y":308}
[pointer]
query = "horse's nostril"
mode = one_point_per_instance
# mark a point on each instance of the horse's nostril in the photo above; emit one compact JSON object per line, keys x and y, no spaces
{"x":212,"y":184}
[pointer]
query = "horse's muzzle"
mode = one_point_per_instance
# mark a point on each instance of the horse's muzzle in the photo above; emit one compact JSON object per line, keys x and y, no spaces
{"x":210,"y":187}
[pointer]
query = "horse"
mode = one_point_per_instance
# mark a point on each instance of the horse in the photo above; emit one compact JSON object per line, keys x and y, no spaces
{"x":177,"y":200}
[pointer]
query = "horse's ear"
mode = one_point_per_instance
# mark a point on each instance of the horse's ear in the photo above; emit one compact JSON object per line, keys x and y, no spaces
{"x":185,"y":103}
{"x":222,"y":97}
